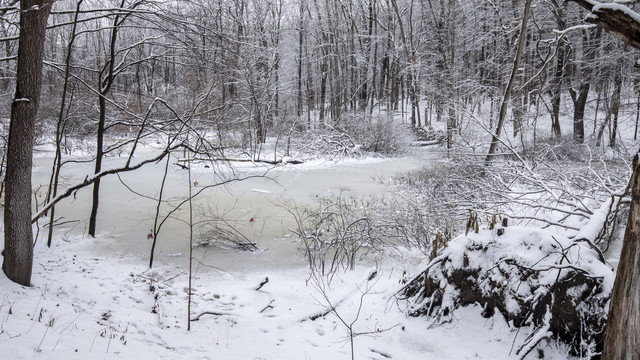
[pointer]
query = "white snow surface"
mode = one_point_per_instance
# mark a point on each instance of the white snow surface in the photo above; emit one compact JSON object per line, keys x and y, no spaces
{"x":87,"y":305}
{"x":97,"y":298}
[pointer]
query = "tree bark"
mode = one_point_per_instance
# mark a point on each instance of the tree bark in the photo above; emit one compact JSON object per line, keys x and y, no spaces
{"x":409,"y":57}
{"x":556,"y":91}
{"x":622,"y":339}
{"x":18,"y":235}
{"x":300,"y":46}
{"x":98,"y":166}
{"x":579,"y":102}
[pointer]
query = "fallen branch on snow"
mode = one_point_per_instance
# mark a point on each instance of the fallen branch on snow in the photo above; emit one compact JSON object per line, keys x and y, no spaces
{"x":215,"y":313}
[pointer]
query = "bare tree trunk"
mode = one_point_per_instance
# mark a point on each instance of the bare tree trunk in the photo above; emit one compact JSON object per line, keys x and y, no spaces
{"x":622,"y":339}
{"x":558,"y":74}
{"x":156,"y":228}
{"x":579,"y":103}
{"x":310,"y":96}
{"x":615,"y":104}
{"x":324,"y":66}
{"x":507,"y":93}
{"x":300,"y":45}
{"x":409,"y":57}
{"x":323,"y":87}
{"x":373,"y":55}
{"x":277,"y":14}
{"x":635,"y":131}
{"x":98,"y":166}
{"x":18,"y":235}
{"x":57,"y":162}
{"x":190,"y":237}
{"x":105,"y":81}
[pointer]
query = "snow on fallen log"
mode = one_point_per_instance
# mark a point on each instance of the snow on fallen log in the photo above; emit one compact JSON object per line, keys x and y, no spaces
{"x":532,"y":277}
{"x":426,"y":142}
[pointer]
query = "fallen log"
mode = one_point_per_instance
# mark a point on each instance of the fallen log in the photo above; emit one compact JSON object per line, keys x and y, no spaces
{"x":270,"y":162}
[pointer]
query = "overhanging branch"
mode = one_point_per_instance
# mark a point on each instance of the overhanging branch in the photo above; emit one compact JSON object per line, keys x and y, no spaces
{"x":618,"y":20}
{"x":93,"y":178}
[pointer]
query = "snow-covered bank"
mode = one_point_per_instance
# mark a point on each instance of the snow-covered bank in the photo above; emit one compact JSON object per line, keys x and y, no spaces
{"x":88,"y":305}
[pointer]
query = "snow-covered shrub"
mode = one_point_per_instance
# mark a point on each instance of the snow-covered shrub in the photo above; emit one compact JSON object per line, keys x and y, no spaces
{"x":353,"y":135}
{"x":324,"y":143}
{"x":440,"y":195}
{"x":532,"y":277}
{"x":379,"y":134}
{"x":336,"y":233}
{"x":221,"y":234}
{"x":562,"y":195}
{"x":552,"y":148}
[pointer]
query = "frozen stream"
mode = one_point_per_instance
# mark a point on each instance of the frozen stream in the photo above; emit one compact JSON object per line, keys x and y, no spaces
{"x":125,"y":218}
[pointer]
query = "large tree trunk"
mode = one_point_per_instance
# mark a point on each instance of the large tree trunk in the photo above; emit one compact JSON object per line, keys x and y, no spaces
{"x":622,"y":339}
{"x":619,"y":21}
{"x":18,"y":235}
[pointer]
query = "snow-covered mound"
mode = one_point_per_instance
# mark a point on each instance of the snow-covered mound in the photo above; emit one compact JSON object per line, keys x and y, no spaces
{"x":531,"y":276}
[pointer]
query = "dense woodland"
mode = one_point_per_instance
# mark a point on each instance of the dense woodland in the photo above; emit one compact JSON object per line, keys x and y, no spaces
{"x":257,"y":69}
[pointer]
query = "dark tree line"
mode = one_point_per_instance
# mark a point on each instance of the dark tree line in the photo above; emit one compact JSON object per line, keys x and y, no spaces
{"x":312,"y":64}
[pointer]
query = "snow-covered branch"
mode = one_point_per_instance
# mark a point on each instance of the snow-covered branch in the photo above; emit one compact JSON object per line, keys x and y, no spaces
{"x":88,"y":180}
{"x":617,"y":19}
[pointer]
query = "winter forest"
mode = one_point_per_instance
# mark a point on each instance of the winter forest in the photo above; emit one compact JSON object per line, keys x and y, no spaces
{"x":320,"y":179}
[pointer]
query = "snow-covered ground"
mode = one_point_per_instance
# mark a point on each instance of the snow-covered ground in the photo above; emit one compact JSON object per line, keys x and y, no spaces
{"x":96,"y":298}
{"x":87,"y":305}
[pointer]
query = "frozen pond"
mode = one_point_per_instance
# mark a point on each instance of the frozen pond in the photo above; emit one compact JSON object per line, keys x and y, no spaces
{"x":251,"y":206}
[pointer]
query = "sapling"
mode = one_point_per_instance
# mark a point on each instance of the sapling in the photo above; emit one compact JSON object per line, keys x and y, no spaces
{"x":321,"y":285}
{"x":190,"y":237}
